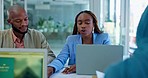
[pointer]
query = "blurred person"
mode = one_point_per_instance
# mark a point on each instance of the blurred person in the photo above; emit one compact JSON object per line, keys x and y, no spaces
{"x":85,"y":31}
{"x":136,"y":66}
{"x":20,"y":36}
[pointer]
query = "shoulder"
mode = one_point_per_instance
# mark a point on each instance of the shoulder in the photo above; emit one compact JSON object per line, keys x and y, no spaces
{"x":34,"y":32}
{"x":73,"y":37}
{"x":102,"y":36}
{"x":4,"y":32}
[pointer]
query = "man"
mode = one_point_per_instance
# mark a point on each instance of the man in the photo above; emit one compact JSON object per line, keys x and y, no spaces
{"x":20,"y":36}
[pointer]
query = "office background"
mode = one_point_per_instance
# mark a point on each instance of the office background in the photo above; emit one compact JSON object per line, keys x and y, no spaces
{"x":55,"y":18}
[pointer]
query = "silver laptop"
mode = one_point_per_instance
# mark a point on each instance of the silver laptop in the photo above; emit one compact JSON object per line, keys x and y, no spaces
{"x":90,"y":58}
{"x":23,"y":63}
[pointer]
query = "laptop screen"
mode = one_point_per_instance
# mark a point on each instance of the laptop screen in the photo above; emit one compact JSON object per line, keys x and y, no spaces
{"x":90,"y":58}
{"x":23,"y":63}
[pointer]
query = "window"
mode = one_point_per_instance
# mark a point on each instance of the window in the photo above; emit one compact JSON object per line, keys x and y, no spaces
{"x":137,"y":7}
{"x":7,"y":4}
{"x":54,"y":18}
{"x":111,"y":19}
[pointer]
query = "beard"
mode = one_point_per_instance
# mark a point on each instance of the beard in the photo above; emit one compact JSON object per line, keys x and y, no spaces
{"x":18,"y":31}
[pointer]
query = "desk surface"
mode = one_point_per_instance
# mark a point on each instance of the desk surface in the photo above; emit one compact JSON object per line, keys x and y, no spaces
{"x":74,"y":75}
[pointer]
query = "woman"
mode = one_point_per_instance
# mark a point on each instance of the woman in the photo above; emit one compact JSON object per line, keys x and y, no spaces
{"x":85,"y":31}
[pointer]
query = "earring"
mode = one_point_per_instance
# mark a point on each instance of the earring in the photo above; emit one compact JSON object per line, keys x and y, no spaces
{"x":93,"y":30}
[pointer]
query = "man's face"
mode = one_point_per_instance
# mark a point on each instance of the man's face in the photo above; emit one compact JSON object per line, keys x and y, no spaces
{"x":19,"y":21}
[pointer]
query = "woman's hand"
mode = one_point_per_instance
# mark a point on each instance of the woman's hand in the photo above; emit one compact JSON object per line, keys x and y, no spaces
{"x":50,"y":71}
{"x":71,"y":69}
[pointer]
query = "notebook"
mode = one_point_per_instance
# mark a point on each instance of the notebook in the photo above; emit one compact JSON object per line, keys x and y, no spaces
{"x":92,"y":58}
{"x":23,"y":63}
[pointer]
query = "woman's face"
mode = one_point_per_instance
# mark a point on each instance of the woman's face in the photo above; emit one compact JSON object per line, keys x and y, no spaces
{"x":85,"y":24}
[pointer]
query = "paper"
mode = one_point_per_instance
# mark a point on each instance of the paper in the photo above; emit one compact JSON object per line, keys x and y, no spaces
{"x":99,"y":74}
{"x":6,"y":67}
{"x":72,"y":75}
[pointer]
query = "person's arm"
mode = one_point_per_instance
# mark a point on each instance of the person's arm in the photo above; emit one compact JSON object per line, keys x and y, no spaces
{"x":62,"y":58}
{"x":44,"y":44}
{"x":39,"y":41}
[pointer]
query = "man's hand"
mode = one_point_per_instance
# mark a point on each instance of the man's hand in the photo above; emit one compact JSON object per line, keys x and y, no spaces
{"x":71,"y":69}
{"x":50,"y":71}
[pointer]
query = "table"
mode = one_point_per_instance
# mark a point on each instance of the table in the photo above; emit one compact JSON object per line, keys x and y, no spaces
{"x":74,"y":75}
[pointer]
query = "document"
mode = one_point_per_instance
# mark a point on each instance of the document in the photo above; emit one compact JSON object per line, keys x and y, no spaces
{"x":6,"y":67}
{"x":72,"y":75}
{"x":99,"y":74}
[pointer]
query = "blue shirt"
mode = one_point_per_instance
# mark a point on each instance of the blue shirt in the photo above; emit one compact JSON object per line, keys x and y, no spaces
{"x":69,"y":49}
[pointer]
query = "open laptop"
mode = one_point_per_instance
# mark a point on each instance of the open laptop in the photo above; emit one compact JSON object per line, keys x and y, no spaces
{"x":90,"y":58}
{"x":23,"y":63}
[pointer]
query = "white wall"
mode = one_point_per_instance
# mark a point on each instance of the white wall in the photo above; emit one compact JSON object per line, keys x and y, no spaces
{"x":1,"y":15}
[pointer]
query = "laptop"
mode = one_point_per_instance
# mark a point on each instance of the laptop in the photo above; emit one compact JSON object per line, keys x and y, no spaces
{"x":23,"y":63}
{"x":92,"y":58}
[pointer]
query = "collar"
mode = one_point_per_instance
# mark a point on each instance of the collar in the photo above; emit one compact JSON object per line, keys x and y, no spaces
{"x":15,"y":38}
